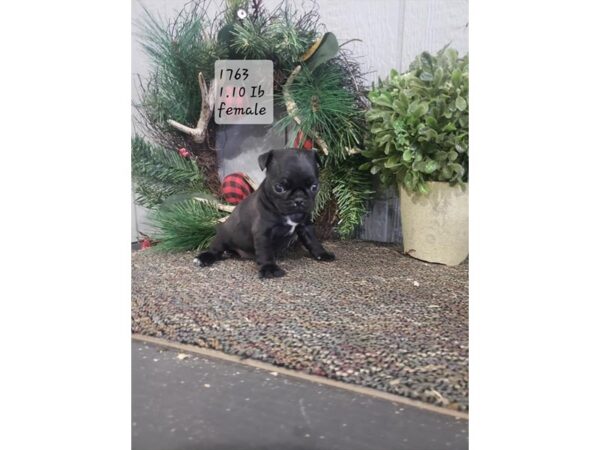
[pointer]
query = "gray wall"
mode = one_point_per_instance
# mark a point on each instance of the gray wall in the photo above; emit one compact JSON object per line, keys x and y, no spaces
{"x":392,"y":33}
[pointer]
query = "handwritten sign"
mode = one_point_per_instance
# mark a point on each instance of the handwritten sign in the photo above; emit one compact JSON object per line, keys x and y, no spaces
{"x":244,"y":92}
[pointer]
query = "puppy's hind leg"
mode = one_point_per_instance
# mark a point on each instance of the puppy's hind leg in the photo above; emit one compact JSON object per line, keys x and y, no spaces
{"x":214,"y":252}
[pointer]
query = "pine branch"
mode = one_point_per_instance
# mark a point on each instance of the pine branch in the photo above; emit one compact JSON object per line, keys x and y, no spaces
{"x":291,"y":34}
{"x":281,"y":35}
{"x":326,"y":107}
{"x":250,"y":40}
{"x":151,"y":193}
{"x":185,"y":225}
{"x":160,"y":173}
{"x":178,"y":50}
{"x":324,"y":194}
{"x":352,"y":190}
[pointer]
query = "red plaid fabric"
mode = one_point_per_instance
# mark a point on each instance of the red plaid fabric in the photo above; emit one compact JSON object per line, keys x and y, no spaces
{"x":235,"y":188}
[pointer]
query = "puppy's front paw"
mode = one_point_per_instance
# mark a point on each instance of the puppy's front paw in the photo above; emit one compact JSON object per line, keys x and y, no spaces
{"x":325,"y":256}
{"x":271,"y":271}
{"x":205,"y":259}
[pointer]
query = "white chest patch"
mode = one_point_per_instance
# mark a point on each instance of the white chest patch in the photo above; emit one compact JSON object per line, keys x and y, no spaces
{"x":289,"y":222}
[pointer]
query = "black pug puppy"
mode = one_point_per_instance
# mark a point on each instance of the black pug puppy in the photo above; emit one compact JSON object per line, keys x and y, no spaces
{"x":265,"y":222}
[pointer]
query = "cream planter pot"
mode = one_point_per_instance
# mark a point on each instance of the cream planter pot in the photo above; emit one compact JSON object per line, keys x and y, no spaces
{"x":435,"y":226}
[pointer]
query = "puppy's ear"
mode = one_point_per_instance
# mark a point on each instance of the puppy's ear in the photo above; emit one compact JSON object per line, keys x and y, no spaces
{"x":317,"y":157}
{"x":265,"y":159}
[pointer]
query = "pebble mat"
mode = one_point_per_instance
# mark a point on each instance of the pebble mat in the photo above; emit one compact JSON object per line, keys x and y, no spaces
{"x":374,"y":317}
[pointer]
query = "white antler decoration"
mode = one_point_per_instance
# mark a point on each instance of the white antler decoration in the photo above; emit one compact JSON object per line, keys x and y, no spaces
{"x":208,"y":103}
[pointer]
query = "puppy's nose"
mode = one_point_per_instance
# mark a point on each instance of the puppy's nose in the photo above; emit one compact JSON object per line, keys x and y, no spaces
{"x":299,"y":202}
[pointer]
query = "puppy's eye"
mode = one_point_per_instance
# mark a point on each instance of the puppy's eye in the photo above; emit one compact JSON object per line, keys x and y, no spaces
{"x":279,"y":188}
{"x":314,"y":187}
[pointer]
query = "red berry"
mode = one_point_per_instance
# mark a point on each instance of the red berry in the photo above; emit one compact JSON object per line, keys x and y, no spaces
{"x":308,"y":143}
{"x":183,"y":152}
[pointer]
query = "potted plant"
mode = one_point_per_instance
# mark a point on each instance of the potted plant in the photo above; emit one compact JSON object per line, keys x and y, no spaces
{"x":419,"y":131}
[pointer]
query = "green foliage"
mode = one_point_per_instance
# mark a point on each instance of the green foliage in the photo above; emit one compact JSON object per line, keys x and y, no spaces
{"x":178,"y":50}
{"x":191,"y":42}
{"x":325,"y":192}
{"x":249,"y":40}
{"x":159,"y":173}
{"x":419,"y":123}
{"x":328,"y":107}
{"x":291,"y":35}
{"x":185,"y":225}
{"x":351,"y":189}
{"x":281,"y":35}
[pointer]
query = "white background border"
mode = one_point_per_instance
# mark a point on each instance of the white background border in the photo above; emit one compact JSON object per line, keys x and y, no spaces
{"x":66,"y":225}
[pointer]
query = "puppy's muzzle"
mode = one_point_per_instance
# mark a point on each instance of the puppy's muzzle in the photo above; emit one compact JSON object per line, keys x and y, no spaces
{"x":299,"y":203}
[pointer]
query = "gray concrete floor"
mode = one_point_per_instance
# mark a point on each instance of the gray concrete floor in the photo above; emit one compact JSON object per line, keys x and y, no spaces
{"x":200,"y":403}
